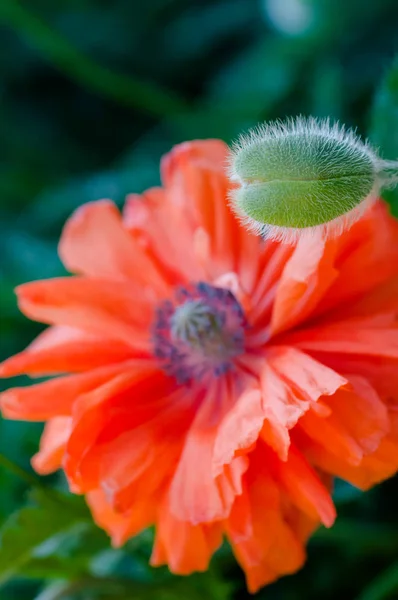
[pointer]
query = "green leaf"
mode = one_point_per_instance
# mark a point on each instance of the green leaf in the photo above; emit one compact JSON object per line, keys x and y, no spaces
{"x":67,"y":556}
{"x":195,"y":587}
{"x":45,"y":520}
{"x":383,"y":587}
{"x":360,"y":538}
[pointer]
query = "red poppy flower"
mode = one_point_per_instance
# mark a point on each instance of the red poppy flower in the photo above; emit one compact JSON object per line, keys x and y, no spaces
{"x":212,"y":383}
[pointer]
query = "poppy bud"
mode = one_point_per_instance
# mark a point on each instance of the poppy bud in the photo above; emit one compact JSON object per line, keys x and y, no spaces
{"x":304,"y":174}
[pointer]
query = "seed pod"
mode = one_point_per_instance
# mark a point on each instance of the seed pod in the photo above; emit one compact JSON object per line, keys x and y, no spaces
{"x":304,"y":175}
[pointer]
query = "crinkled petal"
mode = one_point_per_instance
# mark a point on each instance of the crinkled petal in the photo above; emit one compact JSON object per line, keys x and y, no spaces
{"x":304,"y":487}
{"x":52,"y":445}
{"x":196,"y":494}
{"x":96,"y":243}
{"x":182,"y":546}
{"x":374,"y":468}
{"x":352,"y":435}
{"x":55,"y":397}
{"x":381,"y":372}
{"x":283,"y":406}
{"x":121,"y":526}
{"x":115,"y":309}
{"x":272,"y":264}
{"x":263,"y":542}
{"x":306,"y":278}
{"x":154,"y":218}
{"x":239,"y":429}
{"x":92,"y":413}
{"x":192,"y":173}
{"x":65,"y":349}
{"x":138,"y":460}
{"x":367,"y":256}
{"x":309,"y":377}
{"x":351,"y":337}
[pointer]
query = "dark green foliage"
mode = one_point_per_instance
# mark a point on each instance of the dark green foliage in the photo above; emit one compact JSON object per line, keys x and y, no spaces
{"x":92,"y":92}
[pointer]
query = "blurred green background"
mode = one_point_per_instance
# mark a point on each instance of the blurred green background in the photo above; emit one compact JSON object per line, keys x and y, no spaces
{"x":92,"y":92}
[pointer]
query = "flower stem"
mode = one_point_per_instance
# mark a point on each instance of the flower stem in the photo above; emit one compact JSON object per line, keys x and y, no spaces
{"x":9,"y":465}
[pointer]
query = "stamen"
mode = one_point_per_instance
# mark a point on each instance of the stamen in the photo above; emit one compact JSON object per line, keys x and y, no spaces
{"x":202,"y":332}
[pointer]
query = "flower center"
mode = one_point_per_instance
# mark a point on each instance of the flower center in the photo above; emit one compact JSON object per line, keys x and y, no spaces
{"x":201,"y":332}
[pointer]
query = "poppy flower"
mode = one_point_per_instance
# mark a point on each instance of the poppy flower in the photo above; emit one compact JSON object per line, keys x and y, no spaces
{"x":209,"y":382}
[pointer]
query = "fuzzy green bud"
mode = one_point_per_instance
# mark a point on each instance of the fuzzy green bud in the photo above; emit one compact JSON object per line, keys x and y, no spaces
{"x":304,"y":174}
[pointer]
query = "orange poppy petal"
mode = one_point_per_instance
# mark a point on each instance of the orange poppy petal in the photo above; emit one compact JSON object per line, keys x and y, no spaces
{"x":350,"y":438}
{"x":195,"y":495}
{"x":54,"y":397}
{"x":268,"y":548}
{"x":195,"y":172}
{"x":367,"y":256}
{"x":91,"y":414}
{"x":95,"y":243}
{"x":154,"y":218}
{"x":138,"y":461}
{"x":307,"y":276}
{"x":113,"y":309}
{"x":283,"y":406}
{"x":52,"y":445}
{"x":205,"y":154}
{"x":309,"y":377}
{"x":305,"y":489}
{"x":374,"y":468}
{"x":361,"y":413}
{"x":239,"y":429}
{"x":182,"y":546}
{"x":381,"y":372}
{"x":351,"y":337}
{"x":64,"y":349}
{"x":382,"y":300}
{"x":200,"y":494}
{"x":121,"y":526}
{"x":273,"y":260}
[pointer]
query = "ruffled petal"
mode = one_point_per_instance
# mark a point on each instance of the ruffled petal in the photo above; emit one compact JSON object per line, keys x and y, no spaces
{"x":371,"y":337}
{"x":262,"y":540}
{"x":198,"y":495}
{"x":121,"y":526}
{"x":115,"y":309}
{"x":310,"y":378}
{"x":373,"y":468}
{"x":307,"y":276}
{"x":137,"y":461}
{"x":92,"y":414}
{"x":95,"y":243}
{"x":65,"y":350}
{"x":52,"y":445}
{"x":272,"y":264}
{"x":205,"y":246}
{"x":54,"y":397}
{"x":381,"y":301}
{"x":192,"y":173}
{"x":355,"y":428}
{"x":239,"y":430}
{"x":304,"y":487}
{"x":381,"y":372}
{"x":367,"y":256}
{"x":283,"y":406}
{"x":154,"y":218}
{"x":184,"y":547}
